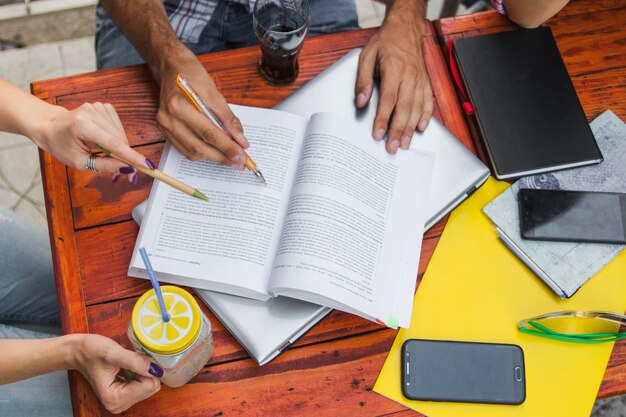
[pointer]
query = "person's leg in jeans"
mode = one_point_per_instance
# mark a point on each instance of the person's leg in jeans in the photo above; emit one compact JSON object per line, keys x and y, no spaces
{"x":231,"y":24}
{"x":230,"y":27}
{"x":28,"y":297}
{"x":27,"y":287}
{"x":112,"y":48}
{"x":45,"y":395}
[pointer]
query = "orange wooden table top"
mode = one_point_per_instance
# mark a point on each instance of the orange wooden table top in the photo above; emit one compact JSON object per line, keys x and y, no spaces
{"x":332,"y":368}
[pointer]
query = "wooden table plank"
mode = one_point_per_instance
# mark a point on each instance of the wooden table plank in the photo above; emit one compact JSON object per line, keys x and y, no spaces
{"x":333,"y":379}
{"x":491,"y":19}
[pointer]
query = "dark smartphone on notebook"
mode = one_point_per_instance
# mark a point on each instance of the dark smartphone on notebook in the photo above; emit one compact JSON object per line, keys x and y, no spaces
{"x":576,"y":216}
{"x":442,"y":370}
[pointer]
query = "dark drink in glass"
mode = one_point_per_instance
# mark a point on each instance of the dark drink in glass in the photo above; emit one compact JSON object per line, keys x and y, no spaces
{"x":280,"y":27}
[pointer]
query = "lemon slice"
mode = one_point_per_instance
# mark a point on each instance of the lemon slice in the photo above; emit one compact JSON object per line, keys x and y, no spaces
{"x":172,"y":336}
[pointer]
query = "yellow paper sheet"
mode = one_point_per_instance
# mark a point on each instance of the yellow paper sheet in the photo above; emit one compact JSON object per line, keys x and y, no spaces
{"x":476,"y":290}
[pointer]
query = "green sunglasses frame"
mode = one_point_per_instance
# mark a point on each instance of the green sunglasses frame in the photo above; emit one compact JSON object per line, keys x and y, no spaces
{"x":530,"y":326}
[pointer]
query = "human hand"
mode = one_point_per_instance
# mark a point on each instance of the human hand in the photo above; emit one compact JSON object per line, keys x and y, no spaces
{"x":69,"y":136}
{"x":395,"y":53}
{"x":100,"y":360}
{"x":190,"y":131}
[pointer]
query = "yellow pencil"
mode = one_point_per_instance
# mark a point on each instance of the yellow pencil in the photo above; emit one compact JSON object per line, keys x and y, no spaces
{"x":195,"y":99}
{"x":158,"y":175}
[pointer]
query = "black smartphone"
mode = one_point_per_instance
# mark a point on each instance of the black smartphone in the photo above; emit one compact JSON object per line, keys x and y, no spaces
{"x":577,"y":216}
{"x":442,"y":370}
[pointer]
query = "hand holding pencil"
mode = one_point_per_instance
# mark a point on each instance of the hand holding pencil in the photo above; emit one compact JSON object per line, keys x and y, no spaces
{"x":158,"y":175}
{"x":193,"y":98}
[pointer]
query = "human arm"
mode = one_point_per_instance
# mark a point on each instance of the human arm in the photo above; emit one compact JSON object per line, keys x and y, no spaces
{"x":98,"y":358}
{"x":191,"y":133}
{"x":532,"y":13}
{"x":66,"y":134}
{"x":395,"y":53}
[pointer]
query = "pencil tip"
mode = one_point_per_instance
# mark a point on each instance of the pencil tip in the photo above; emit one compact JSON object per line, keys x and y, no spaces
{"x":199,"y":195}
{"x":260,"y":175}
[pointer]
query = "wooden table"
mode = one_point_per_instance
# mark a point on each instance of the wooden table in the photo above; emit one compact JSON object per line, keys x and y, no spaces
{"x":331,"y":369}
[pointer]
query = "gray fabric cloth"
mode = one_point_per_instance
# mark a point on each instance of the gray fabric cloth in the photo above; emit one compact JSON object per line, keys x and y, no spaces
{"x":229,"y":26}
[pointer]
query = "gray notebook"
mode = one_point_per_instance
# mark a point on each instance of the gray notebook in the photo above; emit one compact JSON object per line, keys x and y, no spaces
{"x":266,"y":328}
{"x":566,"y":266}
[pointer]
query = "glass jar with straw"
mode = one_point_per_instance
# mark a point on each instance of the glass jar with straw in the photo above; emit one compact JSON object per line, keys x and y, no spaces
{"x":168,"y":325}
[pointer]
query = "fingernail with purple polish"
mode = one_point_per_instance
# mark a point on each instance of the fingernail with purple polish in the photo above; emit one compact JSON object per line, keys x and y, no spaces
{"x":134,"y":179}
{"x":127,"y":170}
{"x":150,"y":164}
{"x":155,"y":370}
{"x":115,"y":177}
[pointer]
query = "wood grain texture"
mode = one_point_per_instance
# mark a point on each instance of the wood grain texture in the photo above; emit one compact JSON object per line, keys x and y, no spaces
{"x":66,"y":271}
{"x":331,"y":369}
{"x":333,"y":379}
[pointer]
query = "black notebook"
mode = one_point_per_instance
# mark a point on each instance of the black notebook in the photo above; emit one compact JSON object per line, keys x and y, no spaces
{"x":527,"y":110}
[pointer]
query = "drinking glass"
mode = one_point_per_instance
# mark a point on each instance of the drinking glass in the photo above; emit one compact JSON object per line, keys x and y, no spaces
{"x":280,"y":27}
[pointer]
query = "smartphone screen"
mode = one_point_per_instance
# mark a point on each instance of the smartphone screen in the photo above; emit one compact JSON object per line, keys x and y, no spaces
{"x":441,"y":370}
{"x":579,"y":216}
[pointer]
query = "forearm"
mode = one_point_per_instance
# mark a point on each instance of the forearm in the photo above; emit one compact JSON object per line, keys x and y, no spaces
{"x":26,"y":115}
{"x":22,"y":359}
{"x":154,"y":38}
{"x":532,"y":13}
{"x":411,"y":12}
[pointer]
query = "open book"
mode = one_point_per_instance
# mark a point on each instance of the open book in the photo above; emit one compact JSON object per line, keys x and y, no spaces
{"x":339,"y":223}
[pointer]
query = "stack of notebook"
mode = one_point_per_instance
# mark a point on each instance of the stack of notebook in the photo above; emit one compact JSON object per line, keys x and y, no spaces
{"x":566,"y":266}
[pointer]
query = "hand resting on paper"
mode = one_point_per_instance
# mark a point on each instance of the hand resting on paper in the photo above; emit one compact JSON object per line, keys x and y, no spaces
{"x":395,"y":53}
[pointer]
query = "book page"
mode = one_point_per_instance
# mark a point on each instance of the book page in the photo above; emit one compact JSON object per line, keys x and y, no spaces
{"x":353,"y":228}
{"x":228,"y":243}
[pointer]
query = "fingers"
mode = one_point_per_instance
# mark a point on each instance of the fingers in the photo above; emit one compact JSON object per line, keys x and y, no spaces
{"x":404,"y":105}
{"x":120,"y":396}
{"x":198,"y":138}
{"x":132,"y":361}
{"x":188,"y":143}
{"x":406,"y":101}
{"x":229,"y":121}
{"x":388,"y":98}
{"x":404,"y":110}
{"x":100,"y":361}
{"x":108,"y":132}
{"x":365,"y":78}
{"x":427,"y":113}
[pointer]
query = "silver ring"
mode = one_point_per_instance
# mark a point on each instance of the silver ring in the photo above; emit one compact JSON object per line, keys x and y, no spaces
{"x":91,"y":164}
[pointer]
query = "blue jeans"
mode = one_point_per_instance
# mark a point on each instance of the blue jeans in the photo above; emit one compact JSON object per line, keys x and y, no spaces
{"x":29,"y":310}
{"x":230,"y":27}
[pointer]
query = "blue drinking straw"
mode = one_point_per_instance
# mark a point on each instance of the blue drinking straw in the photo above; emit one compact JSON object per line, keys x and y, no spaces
{"x":155,"y":284}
